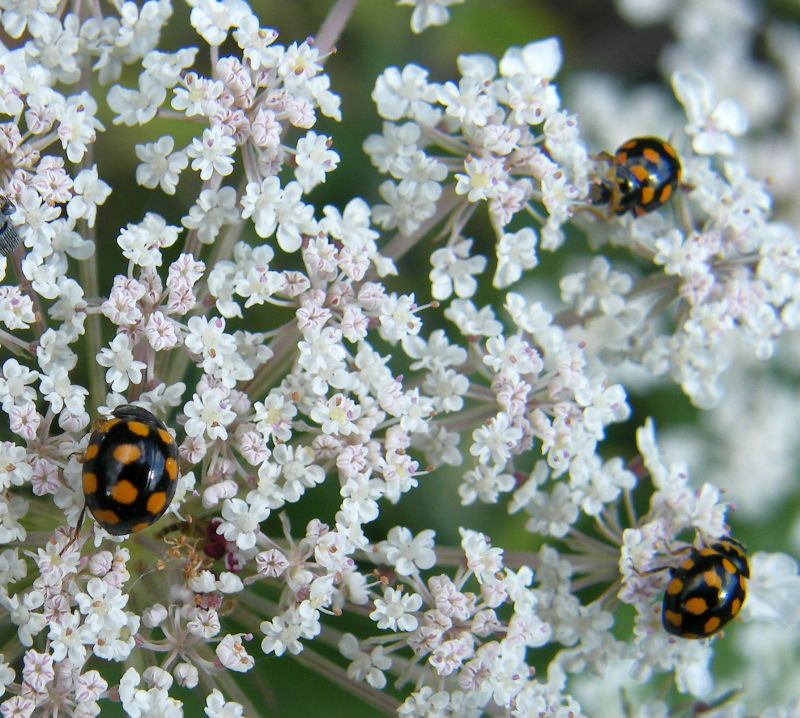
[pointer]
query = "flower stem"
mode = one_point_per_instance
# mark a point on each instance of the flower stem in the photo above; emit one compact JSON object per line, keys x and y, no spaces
{"x":333,"y":25}
{"x":90,"y":282}
{"x":401,"y":244}
{"x":284,"y":348}
{"x":338,"y":676}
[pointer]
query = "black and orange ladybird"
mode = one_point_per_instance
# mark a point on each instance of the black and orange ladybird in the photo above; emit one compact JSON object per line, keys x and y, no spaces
{"x":707,"y":590}
{"x":643,"y":174}
{"x":130,"y":471}
{"x":9,"y":237}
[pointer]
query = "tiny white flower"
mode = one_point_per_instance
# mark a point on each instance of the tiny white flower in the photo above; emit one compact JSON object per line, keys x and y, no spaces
{"x":278,"y":209}
{"x":90,"y":191}
{"x":213,"y":210}
{"x":78,"y":126}
{"x":710,"y":125}
{"x":539,"y":59}
{"x":213,"y":153}
{"x":516,"y":252}
{"x":314,"y":160}
{"x":485,"y":178}
{"x":102,"y":605}
{"x":218,"y":707}
{"x":154,"y":701}
{"x":186,"y":675}
{"x":469,"y":102}
{"x":233,"y":655}
{"x":601,"y":288}
{"x":14,"y":384}
{"x":241,"y":519}
{"x":91,"y":686}
{"x":337,"y":415}
{"x":255,"y":41}
{"x":142,"y":243}
{"x":773,"y":583}
{"x":272,"y":563}
{"x":406,"y":93}
{"x":429,"y":13}
{"x":395,"y":611}
{"x":282,"y":634}
{"x":365,"y":666}
{"x":493,"y":442}
{"x":204,"y":624}
{"x":407,"y":553}
{"x":38,"y":670}
{"x":198,"y":96}
{"x":17,"y":15}
{"x":68,"y":638}
{"x":160,"y":166}
{"x":454,"y":270}
{"x":212,"y":19}
{"x":482,"y":558}
{"x":209,"y":415}
{"x":122,"y":367}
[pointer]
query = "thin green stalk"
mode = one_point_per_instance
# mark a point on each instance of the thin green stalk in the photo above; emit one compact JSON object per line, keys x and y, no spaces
{"x":401,"y":244}
{"x":89,"y":279}
{"x":338,"y":676}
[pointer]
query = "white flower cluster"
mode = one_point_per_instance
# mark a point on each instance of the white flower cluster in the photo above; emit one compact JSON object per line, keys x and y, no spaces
{"x":293,"y":356}
{"x":718,"y":264}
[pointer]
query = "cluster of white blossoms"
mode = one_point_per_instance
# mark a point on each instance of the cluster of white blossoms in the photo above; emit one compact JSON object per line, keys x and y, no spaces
{"x":290,"y":354}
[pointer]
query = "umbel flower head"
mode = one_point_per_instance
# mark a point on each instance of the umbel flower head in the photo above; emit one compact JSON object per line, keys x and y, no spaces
{"x":292,"y":353}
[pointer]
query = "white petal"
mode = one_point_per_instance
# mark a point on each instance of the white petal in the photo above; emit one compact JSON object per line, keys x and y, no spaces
{"x":541,"y":59}
{"x":712,"y":143}
{"x":694,"y":94}
{"x":481,"y":67}
{"x":729,"y":116}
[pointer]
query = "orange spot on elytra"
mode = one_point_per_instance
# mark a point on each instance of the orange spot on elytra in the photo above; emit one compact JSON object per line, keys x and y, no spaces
{"x":106,"y":516}
{"x":156,"y":502}
{"x":675,"y":587}
{"x":166,"y":437}
{"x":696,"y":606}
{"x":106,"y":426}
{"x":138,"y":428}
{"x":89,"y":483}
{"x":124,"y":492}
{"x":651,"y":155}
{"x":712,"y":579}
{"x":127,"y":453}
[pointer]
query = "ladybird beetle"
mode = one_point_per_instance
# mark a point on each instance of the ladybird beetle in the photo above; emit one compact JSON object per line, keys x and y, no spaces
{"x":707,"y":590}
{"x":9,"y":237}
{"x":130,"y":471}
{"x":644,"y":173}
